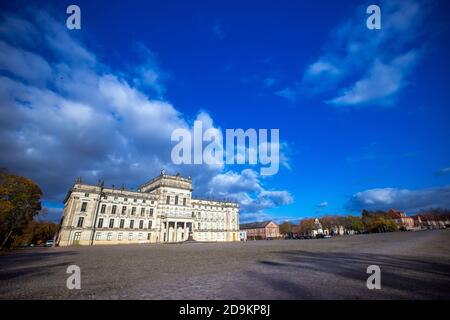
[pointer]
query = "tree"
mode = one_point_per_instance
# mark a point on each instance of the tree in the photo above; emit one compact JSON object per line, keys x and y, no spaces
{"x":36,"y":232}
{"x":354,"y":223}
{"x":20,"y":201}
{"x":285,"y":227}
{"x":328,"y":222}
{"x":307,"y":226}
{"x":378,"y":221}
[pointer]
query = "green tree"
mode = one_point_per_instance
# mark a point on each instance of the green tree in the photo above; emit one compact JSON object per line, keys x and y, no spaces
{"x":354,"y":223}
{"x":20,"y":202}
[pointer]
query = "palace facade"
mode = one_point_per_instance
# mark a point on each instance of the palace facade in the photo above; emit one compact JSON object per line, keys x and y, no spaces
{"x":162,"y":210}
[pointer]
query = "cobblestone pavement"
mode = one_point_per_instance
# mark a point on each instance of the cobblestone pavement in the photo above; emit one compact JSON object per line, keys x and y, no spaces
{"x":414,"y":265}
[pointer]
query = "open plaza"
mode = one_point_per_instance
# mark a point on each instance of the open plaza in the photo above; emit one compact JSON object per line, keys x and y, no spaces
{"x":414,"y":265}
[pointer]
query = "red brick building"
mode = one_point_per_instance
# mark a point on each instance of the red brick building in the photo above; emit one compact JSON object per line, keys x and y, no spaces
{"x":261,"y":230}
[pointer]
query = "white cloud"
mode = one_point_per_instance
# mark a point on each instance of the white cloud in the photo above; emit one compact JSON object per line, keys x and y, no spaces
{"x":288,"y":93}
{"x":402,"y":199}
{"x":65,"y":115}
{"x":368,"y":66}
{"x":83,"y":120}
{"x":382,"y":81}
{"x":319,"y":68}
{"x":246,"y":187}
{"x":322,"y":204}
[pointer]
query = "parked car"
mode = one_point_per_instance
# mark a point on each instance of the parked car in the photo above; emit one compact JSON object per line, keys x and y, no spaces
{"x":327,"y":236}
{"x":49,"y":243}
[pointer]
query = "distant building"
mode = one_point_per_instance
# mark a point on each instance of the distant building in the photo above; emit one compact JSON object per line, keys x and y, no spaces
{"x":401,"y":219}
{"x":318,"y":229}
{"x":261,"y":230}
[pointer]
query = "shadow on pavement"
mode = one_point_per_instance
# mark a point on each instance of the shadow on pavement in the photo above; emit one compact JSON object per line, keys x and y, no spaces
{"x":401,"y":276}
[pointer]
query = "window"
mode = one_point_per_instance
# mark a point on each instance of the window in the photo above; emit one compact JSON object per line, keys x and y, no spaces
{"x":111,"y":223}
{"x":149,"y":235}
{"x":141,"y":224}
{"x":150,"y":224}
{"x":116,"y":198}
{"x":152,"y":202}
{"x":83,"y":207}
{"x":142,"y":212}
{"x":109,"y":236}
{"x":114,"y":209}
{"x":140,"y":236}
{"x":77,"y":236}
{"x":122,"y":223}
{"x":168,"y":200}
{"x":86,"y":195}
{"x":133,"y":211}
{"x":98,"y":236}
{"x":124,"y":209}
{"x":100,"y":223}
{"x":125,"y":199}
{"x":134,"y":200}
{"x":103,"y":209}
{"x":199,"y":225}
{"x":130,"y":236}
{"x":80,"y":222}
{"x":176,"y":199}
{"x":120,"y":236}
{"x":151,"y":212}
{"x":143,"y":201}
{"x":184,"y":201}
{"x":131,"y":224}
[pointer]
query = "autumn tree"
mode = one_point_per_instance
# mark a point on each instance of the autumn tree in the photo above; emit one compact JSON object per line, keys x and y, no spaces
{"x":20,"y":202}
{"x":307,"y":226}
{"x":378,"y":221}
{"x":36,"y":232}
{"x":328,"y":222}
{"x":286,"y":227}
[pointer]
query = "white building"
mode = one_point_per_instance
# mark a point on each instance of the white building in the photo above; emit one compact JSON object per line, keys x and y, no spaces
{"x":162,"y":210}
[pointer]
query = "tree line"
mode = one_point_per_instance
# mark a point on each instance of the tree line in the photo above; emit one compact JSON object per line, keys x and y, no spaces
{"x":368,"y":222}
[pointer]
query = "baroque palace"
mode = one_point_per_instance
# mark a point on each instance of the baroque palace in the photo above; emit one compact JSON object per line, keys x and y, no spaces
{"x":162,"y":210}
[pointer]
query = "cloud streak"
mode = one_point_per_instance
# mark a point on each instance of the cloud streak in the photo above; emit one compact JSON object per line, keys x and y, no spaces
{"x":402,"y":199}
{"x":367,"y":67}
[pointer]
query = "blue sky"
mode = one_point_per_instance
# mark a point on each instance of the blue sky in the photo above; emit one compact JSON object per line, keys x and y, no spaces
{"x":363,"y":114}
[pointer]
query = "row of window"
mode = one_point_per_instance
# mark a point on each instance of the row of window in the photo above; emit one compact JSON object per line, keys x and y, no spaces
{"x":111,"y":223}
{"x":124,"y":210}
{"x":211,"y":207}
{"x":124,"y":199}
{"x":114,"y":209}
{"x":109,"y":236}
{"x":176,"y":200}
